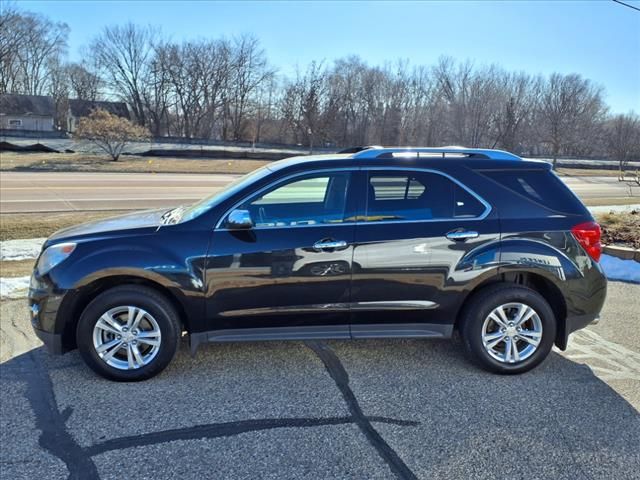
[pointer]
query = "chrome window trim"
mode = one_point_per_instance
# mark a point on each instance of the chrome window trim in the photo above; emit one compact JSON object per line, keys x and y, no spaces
{"x":482,"y":216}
{"x":390,"y":169}
{"x":276,"y":183}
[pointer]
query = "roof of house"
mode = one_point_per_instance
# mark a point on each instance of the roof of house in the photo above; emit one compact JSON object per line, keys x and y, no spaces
{"x":14,"y":104}
{"x":82,"y":108}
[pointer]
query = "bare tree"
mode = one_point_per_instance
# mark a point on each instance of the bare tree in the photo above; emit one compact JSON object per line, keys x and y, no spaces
{"x":569,"y":104}
{"x":124,"y":53}
{"x":31,"y":48}
{"x":83,"y":83}
{"x":472,"y":97}
{"x":303,"y":104}
{"x":623,"y":139}
{"x":248,"y":71}
{"x":519,"y":97}
{"x":225,"y":89}
{"x":12,"y":33}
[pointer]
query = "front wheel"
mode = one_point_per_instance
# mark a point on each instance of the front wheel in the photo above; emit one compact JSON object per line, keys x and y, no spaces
{"x":128,"y":333}
{"x":508,"y":328}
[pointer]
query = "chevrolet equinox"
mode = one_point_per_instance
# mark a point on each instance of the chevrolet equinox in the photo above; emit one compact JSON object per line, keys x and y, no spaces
{"x":384,"y":242}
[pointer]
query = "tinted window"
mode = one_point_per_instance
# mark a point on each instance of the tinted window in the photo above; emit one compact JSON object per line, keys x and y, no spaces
{"x":540,"y":186}
{"x":234,"y":187}
{"x":418,"y":196}
{"x":309,"y":190}
{"x":313,"y":200}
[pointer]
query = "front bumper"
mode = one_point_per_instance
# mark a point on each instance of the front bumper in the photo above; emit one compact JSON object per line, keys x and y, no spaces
{"x":52,"y":341}
{"x":47,"y":307}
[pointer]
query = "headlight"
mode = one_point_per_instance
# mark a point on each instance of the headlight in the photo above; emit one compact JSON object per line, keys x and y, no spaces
{"x":53,"y":255}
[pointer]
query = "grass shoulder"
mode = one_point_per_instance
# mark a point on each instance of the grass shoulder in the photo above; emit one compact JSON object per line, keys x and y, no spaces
{"x":81,"y":162}
{"x":36,"y":225}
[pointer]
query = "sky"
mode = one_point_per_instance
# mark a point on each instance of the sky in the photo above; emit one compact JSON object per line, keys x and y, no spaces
{"x":599,"y":39}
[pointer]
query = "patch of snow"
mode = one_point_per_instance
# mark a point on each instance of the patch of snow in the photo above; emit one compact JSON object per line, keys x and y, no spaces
{"x":24,"y":249}
{"x":15,"y":287}
{"x":614,"y":208}
{"x":618,"y":269}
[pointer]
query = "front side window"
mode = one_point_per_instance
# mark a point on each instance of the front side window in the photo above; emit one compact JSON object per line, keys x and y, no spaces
{"x":312,"y":200}
{"x":415,"y":196}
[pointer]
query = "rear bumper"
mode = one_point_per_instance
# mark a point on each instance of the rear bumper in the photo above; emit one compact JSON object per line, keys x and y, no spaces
{"x":573,"y":324}
{"x":581,"y":321}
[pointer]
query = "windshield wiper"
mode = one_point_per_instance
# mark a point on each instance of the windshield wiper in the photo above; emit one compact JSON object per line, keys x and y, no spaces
{"x":172,"y":216}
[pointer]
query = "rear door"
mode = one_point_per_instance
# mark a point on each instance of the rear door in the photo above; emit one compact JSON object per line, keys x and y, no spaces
{"x":415,"y":229}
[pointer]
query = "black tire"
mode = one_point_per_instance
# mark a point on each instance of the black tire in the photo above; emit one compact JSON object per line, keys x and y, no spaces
{"x":142,"y":297}
{"x":478,"y":308}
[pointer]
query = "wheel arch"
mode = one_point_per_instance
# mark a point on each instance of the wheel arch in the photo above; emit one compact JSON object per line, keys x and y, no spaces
{"x":537,"y":282}
{"x":87,"y":292}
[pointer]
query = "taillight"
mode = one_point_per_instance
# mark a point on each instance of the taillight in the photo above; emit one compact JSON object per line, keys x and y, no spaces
{"x":588,"y":235}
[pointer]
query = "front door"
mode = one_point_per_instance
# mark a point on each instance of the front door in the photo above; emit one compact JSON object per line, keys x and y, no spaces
{"x":293,"y":268}
{"x":416,"y":228}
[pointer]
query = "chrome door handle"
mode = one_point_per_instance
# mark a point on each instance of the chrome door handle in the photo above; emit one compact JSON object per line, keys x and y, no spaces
{"x":462,"y":235}
{"x":326,"y":244}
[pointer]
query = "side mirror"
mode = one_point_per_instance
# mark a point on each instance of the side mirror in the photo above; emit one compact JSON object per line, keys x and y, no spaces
{"x":239,"y":220}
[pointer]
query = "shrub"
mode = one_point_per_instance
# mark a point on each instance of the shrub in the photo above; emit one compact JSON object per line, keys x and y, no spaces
{"x":109,"y":132}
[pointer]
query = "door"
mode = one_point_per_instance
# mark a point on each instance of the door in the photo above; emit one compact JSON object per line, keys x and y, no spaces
{"x":292,"y":269}
{"x":416,"y":227}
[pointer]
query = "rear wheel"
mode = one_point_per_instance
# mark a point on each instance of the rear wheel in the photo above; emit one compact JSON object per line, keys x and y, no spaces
{"x":128,"y":333}
{"x":508,"y":328}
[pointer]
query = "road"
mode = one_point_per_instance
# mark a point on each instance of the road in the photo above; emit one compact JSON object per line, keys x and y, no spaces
{"x":375,"y":409}
{"x":22,"y":192}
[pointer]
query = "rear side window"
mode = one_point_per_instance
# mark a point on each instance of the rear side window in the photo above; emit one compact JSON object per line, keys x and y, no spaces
{"x":540,"y":186}
{"x":415,"y":196}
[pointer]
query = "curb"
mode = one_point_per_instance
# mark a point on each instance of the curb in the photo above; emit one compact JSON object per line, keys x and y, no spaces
{"x":624,"y":253}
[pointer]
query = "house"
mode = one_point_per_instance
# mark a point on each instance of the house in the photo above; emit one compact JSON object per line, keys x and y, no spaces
{"x":27,"y":112}
{"x":82,"y":108}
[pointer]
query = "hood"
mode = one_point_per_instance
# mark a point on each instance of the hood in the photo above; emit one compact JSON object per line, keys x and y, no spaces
{"x":144,"y":219}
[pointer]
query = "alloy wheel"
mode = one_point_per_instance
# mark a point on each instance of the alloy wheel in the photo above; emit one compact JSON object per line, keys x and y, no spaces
{"x":512,"y":332}
{"x":127,"y":337}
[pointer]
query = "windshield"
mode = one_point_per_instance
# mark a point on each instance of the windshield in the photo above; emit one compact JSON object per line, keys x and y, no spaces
{"x":204,"y":205}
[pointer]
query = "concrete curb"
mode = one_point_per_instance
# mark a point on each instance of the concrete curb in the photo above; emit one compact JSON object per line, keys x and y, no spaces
{"x":624,"y":253}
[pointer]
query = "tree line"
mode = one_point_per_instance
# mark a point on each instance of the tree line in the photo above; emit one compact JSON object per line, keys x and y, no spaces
{"x":226,"y":89}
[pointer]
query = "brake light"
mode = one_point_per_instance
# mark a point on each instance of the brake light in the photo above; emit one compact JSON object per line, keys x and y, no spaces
{"x":588,"y":235}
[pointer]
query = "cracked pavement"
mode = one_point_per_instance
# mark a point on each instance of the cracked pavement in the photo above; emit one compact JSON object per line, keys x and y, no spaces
{"x":363,"y":409}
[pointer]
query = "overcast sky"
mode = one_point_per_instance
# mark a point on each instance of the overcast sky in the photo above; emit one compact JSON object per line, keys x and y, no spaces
{"x":599,"y":39}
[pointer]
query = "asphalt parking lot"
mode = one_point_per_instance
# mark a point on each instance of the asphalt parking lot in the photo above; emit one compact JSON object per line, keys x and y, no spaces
{"x":365,"y":409}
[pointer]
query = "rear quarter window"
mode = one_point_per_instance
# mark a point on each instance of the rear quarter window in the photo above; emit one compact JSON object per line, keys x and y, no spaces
{"x":540,"y":186}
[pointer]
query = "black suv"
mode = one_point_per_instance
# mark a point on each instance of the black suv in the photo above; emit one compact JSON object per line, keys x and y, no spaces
{"x":385,"y":242}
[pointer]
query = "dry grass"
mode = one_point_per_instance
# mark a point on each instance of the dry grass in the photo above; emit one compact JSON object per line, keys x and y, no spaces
{"x":35,"y":225}
{"x":79,"y":162}
{"x":16,"y":268}
{"x":620,"y":228}
{"x":83,"y":162}
{"x":595,"y":202}
{"x":589,"y":172}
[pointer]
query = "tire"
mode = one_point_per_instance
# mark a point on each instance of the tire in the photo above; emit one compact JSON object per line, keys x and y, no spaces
{"x":479,"y":330}
{"x":105,"y":324}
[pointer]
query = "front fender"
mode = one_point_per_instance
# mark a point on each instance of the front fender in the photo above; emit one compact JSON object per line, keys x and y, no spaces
{"x":174,"y":264}
{"x":151,"y":262}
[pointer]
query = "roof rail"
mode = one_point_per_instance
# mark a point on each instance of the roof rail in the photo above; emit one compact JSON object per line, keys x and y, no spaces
{"x":380,"y":152}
